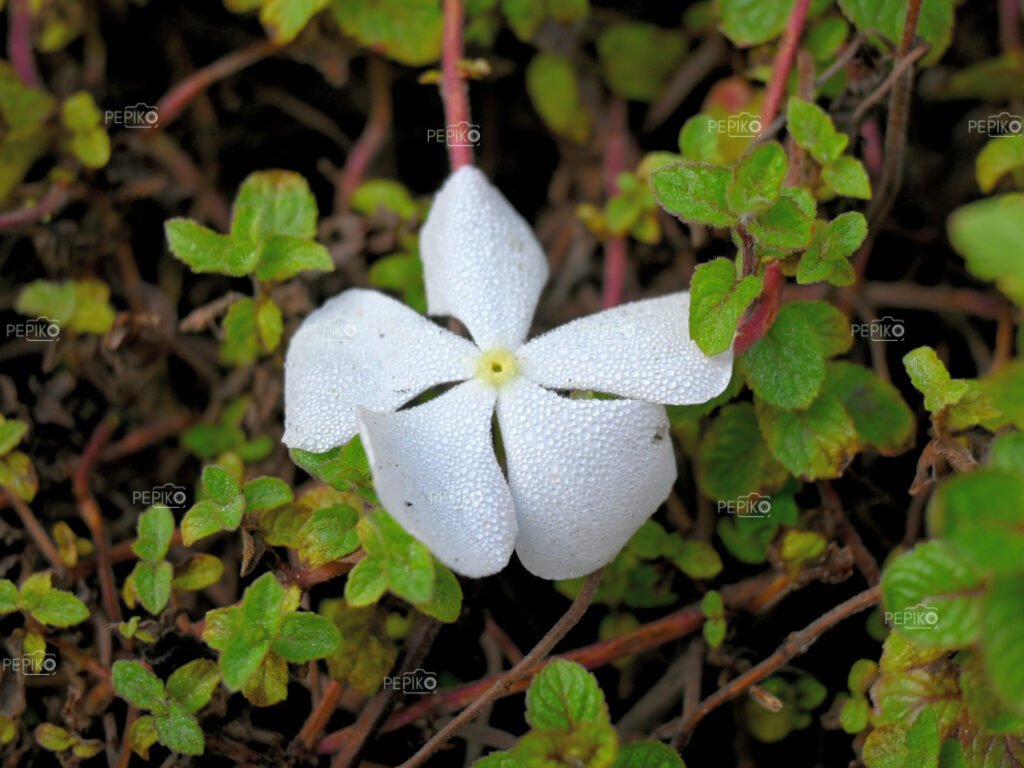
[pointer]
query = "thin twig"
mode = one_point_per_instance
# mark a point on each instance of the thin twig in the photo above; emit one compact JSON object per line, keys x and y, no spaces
{"x":19,"y":44}
{"x":897,"y":72}
{"x":796,"y":644}
{"x":38,"y":534}
{"x":454,"y":92}
{"x":378,"y":123}
{"x":691,"y":693}
{"x":48,"y":204}
{"x":318,"y":719}
{"x":539,"y":652}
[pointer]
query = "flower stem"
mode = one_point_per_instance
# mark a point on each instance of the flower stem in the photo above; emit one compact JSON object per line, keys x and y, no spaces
{"x":615,"y":247}
{"x":784,"y":62}
{"x":454,"y":92}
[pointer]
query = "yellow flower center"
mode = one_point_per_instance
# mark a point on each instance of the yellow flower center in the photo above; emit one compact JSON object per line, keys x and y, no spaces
{"x":496,"y":367}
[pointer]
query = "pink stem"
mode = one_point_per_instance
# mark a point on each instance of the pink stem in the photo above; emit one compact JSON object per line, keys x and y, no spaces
{"x":615,"y":247}
{"x":19,"y":44}
{"x":454,"y":92}
{"x":784,"y":62}
{"x":47,"y":205}
{"x":760,"y":319}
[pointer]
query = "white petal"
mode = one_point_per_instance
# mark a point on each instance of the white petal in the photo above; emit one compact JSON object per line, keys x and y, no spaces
{"x":641,"y":350}
{"x":585,"y":474}
{"x":363,"y":348}
{"x":481,"y":261}
{"x":435,"y":472}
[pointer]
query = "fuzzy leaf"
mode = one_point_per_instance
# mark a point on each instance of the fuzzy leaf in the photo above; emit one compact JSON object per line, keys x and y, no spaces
{"x":828,"y":258}
{"x":564,"y":695}
{"x":303,"y":637}
{"x":786,"y":368}
{"x":883,"y":420}
{"x":137,"y":685}
{"x":192,"y":685}
{"x":717,"y":302}
{"x":846,"y":175}
{"x":815,"y":443}
{"x":203,"y":250}
{"x":694,"y":192}
{"x":179,"y":731}
{"x":812,"y":128}
{"x":155,"y":527}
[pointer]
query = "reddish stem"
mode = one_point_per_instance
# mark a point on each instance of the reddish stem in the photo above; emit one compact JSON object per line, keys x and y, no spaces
{"x":454,"y":92}
{"x":784,"y":62}
{"x":1009,"y":25}
{"x":376,"y":130}
{"x":54,"y":198}
{"x":614,"y":162}
{"x":19,"y":44}
{"x":760,"y":319}
{"x":180,"y":96}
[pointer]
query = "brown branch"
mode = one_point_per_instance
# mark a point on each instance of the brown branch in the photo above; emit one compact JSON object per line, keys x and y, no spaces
{"x":90,"y":512}
{"x":378,"y":124}
{"x":539,"y":652}
{"x":796,"y":644}
{"x":48,"y":204}
{"x":148,"y":435}
{"x":38,"y":534}
{"x":317,"y":720}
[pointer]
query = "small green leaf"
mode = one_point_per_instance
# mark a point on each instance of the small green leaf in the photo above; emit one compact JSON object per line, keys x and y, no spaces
{"x":266,"y":493}
{"x":828,"y":258}
{"x":142,"y":735}
{"x":53,"y":737}
{"x":698,"y":140}
{"x":179,"y":731}
{"x":648,"y":754}
{"x":812,"y":129}
{"x":303,"y":637}
{"x":46,"y":298}
{"x":564,"y":695}
{"x":241,"y":658}
{"x":198,"y":572}
{"x":203,"y":250}
{"x":816,"y":443}
{"x":786,"y":226}
{"x":366,"y":583}
{"x":222,"y":624}
{"x":383,"y":194}
{"x":930,"y":377}
{"x":408,"y":31}
{"x":637,"y":58}
{"x":717,"y":302}
{"x":988,"y":234}
{"x":853,"y":717}
{"x":285,"y":256}
{"x":340,"y":467}
{"x":446,"y":604}
{"x":328,"y":534}
{"x":152,"y":581}
{"x":933,"y":597}
{"x":846,"y":175}
{"x":757,"y":179}
{"x":243,"y":341}
{"x":733,"y":459}
{"x":204,"y":519}
{"x":11,"y":433}
{"x":268,"y":685}
{"x":999,"y":157}
{"x":137,"y":685}
{"x":155,"y":527}
{"x":554,"y":89}
{"x":262,"y":606}
{"x":59,"y":609}
{"x":882,"y":419}
{"x":8,"y":597}
{"x":274,"y":202}
{"x":193,"y":684}
{"x":366,"y":653}
{"x":79,"y":112}
{"x":862,"y":674}
{"x":786,"y":367}
{"x":285,"y":19}
{"x":218,"y":484}
{"x":697,"y":559}
{"x":694,"y":192}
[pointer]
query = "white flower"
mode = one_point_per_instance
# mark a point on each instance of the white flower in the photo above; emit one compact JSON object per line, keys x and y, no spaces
{"x":583,"y":475}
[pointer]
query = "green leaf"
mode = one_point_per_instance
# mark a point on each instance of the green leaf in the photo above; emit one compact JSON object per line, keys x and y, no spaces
{"x":19,"y":476}
{"x":1003,"y":625}
{"x":591,"y":744}
{"x":152,"y":581}
{"x":284,"y":19}
{"x":242,"y":343}
{"x":408,"y":565}
{"x":999,"y":157}
{"x":46,"y":298}
{"x":1006,"y":452}
{"x":272,"y":203}
{"x":266,"y":493}
{"x":786,"y":367}
{"x":812,"y":129}
{"x":303,"y":637}
{"x":366,"y":652}
{"x":218,"y":485}
{"x":933,"y":596}
{"x":222,"y":624}
{"x":198,"y":572}
{"x":328,"y":534}
{"x":340,"y":467}
{"x":179,"y":731}
{"x":929,"y":376}
{"x":155,"y":527}
{"x":887,"y":17}
{"x":285,"y":256}
{"x":241,"y":658}
{"x":853,"y":717}
{"x":446,"y":603}
{"x":786,"y":226}
{"x":262,"y":607}
{"x":648,"y":754}
{"x":564,"y":695}
{"x":53,"y":737}
{"x":883,"y":420}
{"x":8,"y":597}
{"x":137,"y":685}
{"x":203,"y":250}
{"x":193,"y":684}
{"x":698,"y":140}
{"x":757,"y":179}
{"x":830,"y":326}
{"x":988,"y":234}
{"x":408,"y":31}
{"x":862,"y":674}
{"x":828,"y":258}
{"x":142,"y":736}
{"x":269,"y":324}
{"x":717,"y":302}
{"x":982,"y":515}
{"x":268,"y":685}
{"x":79,"y":112}
{"x":923,"y":741}
{"x":985,"y":707}
{"x":92,"y":147}
{"x":846,"y":175}
{"x":59,"y":609}
{"x":815,"y":443}
{"x":554,"y":89}
{"x":384,"y":194}
{"x":11,"y":433}
{"x":694,"y":192}
{"x":637,"y":58}
{"x":366,"y":583}
{"x":204,"y":519}
{"x":697,"y":559}
{"x":733,"y":459}
{"x":498,"y":760}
